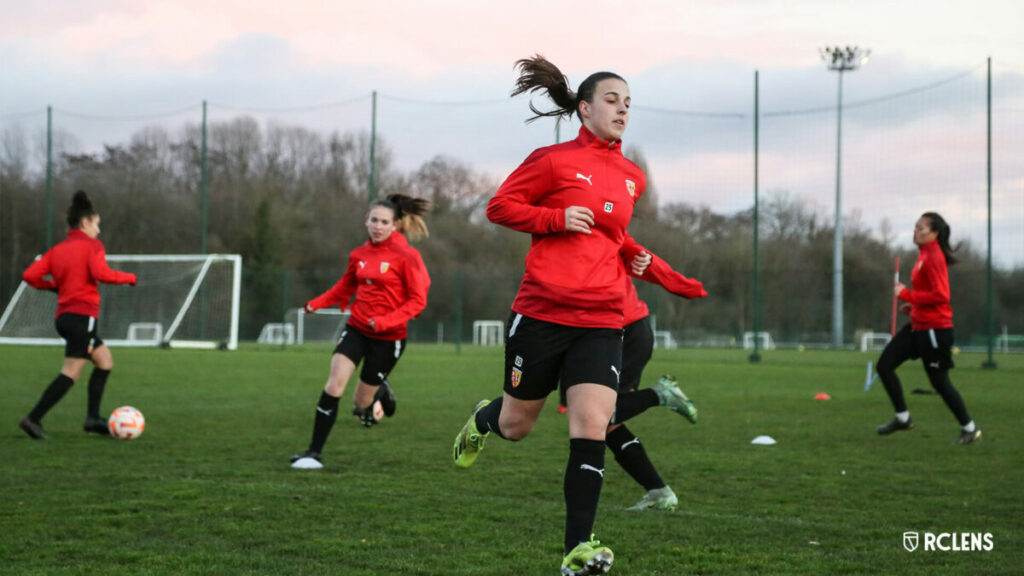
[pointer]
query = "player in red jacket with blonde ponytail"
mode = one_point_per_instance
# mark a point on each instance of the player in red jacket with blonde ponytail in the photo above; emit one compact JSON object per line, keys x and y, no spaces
{"x":389,"y":283}
{"x":76,"y":266}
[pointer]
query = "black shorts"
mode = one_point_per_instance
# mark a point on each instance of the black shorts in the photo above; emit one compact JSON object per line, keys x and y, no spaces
{"x":79,"y":334}
{"x":637,"y":347}
{"x":381,"y":355}
{"x":539,"y":355}
{"x":934,"y":347}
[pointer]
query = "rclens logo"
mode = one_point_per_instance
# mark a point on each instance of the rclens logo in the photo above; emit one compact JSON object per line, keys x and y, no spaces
{"x":949,"y":541}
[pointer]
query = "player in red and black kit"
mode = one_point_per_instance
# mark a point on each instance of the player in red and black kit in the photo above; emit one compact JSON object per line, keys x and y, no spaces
{"x":389,"y":282}
{"x":76,"y":266}
{"x":637,"y":347}
{"x":576,"y":200}
{"x":929,"y":335}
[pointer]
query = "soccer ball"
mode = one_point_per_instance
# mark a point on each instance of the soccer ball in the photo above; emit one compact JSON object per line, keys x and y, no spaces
{"x":126,"y":423}
{"x":373,"y":415}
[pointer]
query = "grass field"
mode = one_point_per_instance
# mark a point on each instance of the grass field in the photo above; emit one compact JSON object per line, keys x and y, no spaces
{"x":207,"y":489}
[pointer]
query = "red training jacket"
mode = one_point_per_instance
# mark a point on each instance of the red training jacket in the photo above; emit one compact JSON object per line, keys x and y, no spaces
{"x":572,"y":278}
{"x":929,"y":300}
{"x":390,"y":284}
{"x":77,"y":265}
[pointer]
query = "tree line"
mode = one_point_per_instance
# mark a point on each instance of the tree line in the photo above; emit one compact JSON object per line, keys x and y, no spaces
{"x":292,"y":202}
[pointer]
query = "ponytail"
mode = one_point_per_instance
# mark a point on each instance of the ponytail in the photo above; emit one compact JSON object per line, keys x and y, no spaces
{"x":409,"y":213}
{"x":81,"y":207}
{"x":938,"y":224}
{"x":537,"y":73}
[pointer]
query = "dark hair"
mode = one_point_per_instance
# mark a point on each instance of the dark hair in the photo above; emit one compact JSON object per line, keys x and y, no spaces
{"x":538,"y":73}
{"x":408,"y":212}
{"x":938,"y":224}
{"x":81,"y":207}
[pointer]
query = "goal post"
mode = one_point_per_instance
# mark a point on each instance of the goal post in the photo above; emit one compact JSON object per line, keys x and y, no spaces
{"x":765,"y":338}
{"x":324,"y":325}
{"x":488,"y":333}
{"x":873,"y":341}
{"x":179,"y":301}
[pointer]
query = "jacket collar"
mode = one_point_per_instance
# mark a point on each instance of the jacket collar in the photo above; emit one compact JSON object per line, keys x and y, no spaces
{"x":77,"y":233}
{"x":930,"y":246}
{"x":587,"y":139}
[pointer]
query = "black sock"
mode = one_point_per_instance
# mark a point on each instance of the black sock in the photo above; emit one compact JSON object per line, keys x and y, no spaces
{"x":53,"y":393}
{"x":583,"y":477}
{"x":633,"y":403}
{"x":326,"y":414}
{"x":941,"y":383}
{"x":487,"y":417}
{"x":97,"y":383}
{"x":630,"y":454}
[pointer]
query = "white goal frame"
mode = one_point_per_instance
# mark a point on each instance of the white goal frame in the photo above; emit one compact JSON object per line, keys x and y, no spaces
{"x":488,"y":333}
{"x":300,"y":321}
{"x":868,"y":338}
{"x":664,"y":339}
{"x":767,"y":343}
{"x":277,"y":333}
{"x":166,"y":335}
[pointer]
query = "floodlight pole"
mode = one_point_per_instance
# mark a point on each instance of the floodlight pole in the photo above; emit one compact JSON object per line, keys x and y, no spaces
{"x":840,"y":60}
{"x":756,"y":355}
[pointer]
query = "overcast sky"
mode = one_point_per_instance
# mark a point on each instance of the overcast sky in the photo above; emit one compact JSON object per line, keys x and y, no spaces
{"x":443,"y":70}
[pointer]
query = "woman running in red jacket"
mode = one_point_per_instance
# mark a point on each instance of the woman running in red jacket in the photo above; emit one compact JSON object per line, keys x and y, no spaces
{"x":76,"y":266}
{"x":929,"y":335}
{"x":575,"y":199}
{"x":389,"y":281}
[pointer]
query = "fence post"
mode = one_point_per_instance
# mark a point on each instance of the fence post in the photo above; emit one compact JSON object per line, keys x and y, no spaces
{"x":990,"y":363}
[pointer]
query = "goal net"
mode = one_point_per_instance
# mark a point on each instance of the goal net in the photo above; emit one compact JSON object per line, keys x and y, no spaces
{"x":180,"y":301}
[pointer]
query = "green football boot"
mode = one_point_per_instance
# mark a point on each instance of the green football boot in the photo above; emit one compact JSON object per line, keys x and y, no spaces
{"x":671,"y":396}
{"x":587,"y":558}
{"x":470,"y":441}
{"x":657,"y":499}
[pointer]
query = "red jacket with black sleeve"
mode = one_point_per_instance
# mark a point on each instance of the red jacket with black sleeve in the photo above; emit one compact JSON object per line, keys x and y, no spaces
{"x":390,"y":285}
{"x":659,"y":272}
{"x":571,"y":278}
{"x":77,"y":266}
{"x":929,"y":299}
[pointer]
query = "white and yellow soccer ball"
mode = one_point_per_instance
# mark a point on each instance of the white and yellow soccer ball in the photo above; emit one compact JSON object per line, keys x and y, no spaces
{"x":373,"y":414}
{"x":126,"y":423}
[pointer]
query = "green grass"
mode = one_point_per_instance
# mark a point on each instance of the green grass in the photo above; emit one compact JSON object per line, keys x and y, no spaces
{"x":207,"y":489}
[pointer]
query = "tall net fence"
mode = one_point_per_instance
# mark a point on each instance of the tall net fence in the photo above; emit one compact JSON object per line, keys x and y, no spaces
{"x":287,"y":188}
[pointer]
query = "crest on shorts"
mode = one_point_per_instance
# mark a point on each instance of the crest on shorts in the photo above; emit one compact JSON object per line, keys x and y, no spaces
{"x":384,"y":267}
{"x":631,"y":188}
{"x":517,"y":377}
